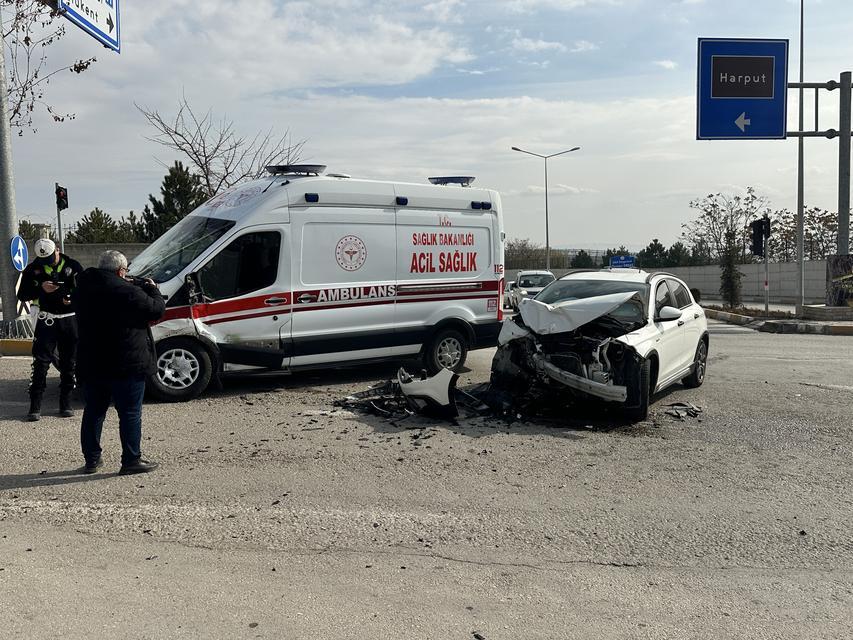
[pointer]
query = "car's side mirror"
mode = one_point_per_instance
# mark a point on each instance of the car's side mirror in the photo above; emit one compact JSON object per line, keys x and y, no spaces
{"x":668,"y":314}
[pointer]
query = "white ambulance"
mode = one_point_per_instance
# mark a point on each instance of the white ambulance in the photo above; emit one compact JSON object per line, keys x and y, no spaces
{"x":304,"y":270}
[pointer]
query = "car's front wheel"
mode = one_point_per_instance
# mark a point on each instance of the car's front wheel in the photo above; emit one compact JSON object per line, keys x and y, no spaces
{"x":641,"y":411}
{"x":700,"y":366}
{"x":184,"y":370}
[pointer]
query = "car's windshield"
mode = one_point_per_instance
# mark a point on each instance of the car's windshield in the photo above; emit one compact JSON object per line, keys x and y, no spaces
{"x":577,"y":289}
{"x":536,"y":280}
{"x":178,"y":247}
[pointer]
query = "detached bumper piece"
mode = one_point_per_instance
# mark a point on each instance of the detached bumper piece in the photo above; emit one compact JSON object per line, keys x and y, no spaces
{"x":433,"y":396}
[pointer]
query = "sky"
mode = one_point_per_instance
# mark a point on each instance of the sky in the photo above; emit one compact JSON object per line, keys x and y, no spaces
{"x":401,"y":90}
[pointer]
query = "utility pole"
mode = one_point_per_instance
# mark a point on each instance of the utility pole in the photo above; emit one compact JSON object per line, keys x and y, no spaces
{"x":8,"y":218}
{"x":844,"y":166}
{"x":801,"y":265}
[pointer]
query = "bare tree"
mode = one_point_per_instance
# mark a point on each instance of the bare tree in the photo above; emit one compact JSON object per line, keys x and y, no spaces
{"x":29,"y":29}
{"x":218,"y":155}
{"x":719,"y":214}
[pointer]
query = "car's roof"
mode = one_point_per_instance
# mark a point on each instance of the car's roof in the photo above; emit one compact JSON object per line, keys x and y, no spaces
{"x":534,"y":273}
{"x":620,"y":275}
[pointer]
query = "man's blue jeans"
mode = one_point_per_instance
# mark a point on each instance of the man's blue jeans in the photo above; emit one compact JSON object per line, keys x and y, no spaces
{"x":126,"y":394}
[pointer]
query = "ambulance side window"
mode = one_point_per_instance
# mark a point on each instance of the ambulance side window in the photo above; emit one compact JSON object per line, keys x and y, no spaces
{"x":247,"y":264}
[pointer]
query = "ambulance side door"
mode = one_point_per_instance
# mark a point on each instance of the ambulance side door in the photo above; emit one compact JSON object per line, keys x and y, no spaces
{"x":344,"y":282}
{"x":244,"y":299}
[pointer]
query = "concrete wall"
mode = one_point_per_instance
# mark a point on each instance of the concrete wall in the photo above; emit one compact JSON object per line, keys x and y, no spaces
{"x":87,"y":254}
{"x":783,"y":281}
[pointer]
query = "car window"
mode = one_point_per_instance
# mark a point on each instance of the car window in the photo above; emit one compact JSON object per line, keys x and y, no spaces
{"x":247,"y":264}
{"x":662,"y":297}
{"x":682,"y":296}
{"x":536,"y":280}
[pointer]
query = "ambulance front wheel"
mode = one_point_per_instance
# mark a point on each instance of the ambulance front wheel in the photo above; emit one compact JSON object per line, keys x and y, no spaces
{"x":183,"y":371}
{"x":448,"y":349}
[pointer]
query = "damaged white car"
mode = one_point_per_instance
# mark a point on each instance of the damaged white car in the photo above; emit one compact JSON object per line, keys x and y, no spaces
{"x":617,"y":335}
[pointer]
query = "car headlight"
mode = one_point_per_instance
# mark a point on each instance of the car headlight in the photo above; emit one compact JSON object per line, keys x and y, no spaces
{"x":524,"y":292}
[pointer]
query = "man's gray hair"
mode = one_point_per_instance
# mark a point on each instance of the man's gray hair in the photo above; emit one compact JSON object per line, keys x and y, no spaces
{"x":112,"y":261}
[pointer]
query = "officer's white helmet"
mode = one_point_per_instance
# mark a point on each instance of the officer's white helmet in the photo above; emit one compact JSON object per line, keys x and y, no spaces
{"x":45,"y":248}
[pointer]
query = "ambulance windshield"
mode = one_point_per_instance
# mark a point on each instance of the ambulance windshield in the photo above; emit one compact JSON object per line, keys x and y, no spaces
{"x":178,"y":247}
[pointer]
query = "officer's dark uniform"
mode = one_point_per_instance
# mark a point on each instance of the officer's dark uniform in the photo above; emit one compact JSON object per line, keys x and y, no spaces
{"x":55,"y":338}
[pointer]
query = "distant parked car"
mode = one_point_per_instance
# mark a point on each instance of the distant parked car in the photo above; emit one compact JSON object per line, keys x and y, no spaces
{"x":528,"y":284}
{"x":508,"y":292}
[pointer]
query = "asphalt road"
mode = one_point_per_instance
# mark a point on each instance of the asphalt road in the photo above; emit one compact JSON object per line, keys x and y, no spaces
{"x":276,"y":516}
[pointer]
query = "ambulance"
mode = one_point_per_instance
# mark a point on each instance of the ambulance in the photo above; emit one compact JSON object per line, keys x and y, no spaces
{"x":303,"y":269}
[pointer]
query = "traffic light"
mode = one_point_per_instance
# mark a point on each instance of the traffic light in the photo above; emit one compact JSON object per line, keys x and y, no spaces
{"x":758,"y":228}
{"x":61,"y":198}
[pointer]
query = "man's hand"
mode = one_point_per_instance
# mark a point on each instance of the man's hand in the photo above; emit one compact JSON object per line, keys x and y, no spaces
{"x":66,"y":301}
{"x":49,"y":287}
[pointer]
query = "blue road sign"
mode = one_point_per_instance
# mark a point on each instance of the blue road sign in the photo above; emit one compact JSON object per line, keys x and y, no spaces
{"x":622,"y":262}
{"x":99,"y":18}
{"x":742,"y":89}
{"x":20,"y":255}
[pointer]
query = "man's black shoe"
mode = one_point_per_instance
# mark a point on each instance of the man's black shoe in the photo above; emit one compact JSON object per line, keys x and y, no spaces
{"x":140,"y":466}
{"x":35,"y":409}
{"x":93,"y":466}
{"x":65,"y":409}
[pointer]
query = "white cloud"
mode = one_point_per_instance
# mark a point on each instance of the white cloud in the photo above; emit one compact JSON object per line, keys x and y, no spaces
{"x":582,"y":46}
{"x":666,"y":64}
{"x":553,"y":190}
{"x":446,"y":10}
{"x":530,"y":45}
{"x":523,"y":6}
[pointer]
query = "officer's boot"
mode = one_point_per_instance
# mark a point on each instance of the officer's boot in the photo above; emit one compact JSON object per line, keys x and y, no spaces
{"x":65,"y":409}
{"x":35,"y":408}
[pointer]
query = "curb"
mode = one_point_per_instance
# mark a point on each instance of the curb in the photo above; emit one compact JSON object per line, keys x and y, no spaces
{"x":10,"y":347}
{"x":732,"y":318}
{"x":782,"y":326}
{"x":815,"y":328}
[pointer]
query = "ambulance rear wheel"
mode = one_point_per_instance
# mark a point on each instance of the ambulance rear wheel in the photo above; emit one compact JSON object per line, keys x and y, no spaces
{"x":183,"y":371}
{"x":448,"y":349}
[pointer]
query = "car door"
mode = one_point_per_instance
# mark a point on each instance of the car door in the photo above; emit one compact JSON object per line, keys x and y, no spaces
{"x":245,"y":299}
{"x":690,"y":316}
{"x":670,"y":341}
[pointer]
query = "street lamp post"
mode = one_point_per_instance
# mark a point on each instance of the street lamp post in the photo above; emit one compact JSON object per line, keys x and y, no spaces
{"x":547,"y":233}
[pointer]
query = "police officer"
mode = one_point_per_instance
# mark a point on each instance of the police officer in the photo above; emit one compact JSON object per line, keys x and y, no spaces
{"x":50,"y":279}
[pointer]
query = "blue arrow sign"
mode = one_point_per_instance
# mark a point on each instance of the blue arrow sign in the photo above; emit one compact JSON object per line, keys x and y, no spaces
{"x":742,"y":89}
{"x":622,"y":262}
{"x":20,"y":255}
{"x":99,"y":18}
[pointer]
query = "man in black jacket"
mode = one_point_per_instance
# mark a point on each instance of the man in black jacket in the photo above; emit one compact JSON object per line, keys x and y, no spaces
{"x":114,"y":356}
{"x":50,"y":279}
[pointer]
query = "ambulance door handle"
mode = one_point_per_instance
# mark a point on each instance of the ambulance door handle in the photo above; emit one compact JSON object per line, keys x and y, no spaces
{"x":274,"y":301}
{"x":307,"y":297}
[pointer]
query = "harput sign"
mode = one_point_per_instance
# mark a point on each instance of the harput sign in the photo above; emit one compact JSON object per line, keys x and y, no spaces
{"x":742,"y":89}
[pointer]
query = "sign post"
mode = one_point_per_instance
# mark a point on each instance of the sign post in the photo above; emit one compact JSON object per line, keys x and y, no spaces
{"x":742,"y":89}
{"x":8,"y":219}
{"x":99,"y":18}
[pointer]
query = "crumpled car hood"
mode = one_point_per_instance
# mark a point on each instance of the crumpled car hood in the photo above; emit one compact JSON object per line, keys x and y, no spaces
{"x":546,"y":319}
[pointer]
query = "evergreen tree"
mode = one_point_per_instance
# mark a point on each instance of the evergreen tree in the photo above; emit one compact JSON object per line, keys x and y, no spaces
{"x":181,"y":193}
{"x":621,"y":251}
{"x":131,"y":229}
{"x":730,"y":287}
{"x":653,"y":256}
{"x":583,"y":260}
{"x":678,"y":255}
{"x":95,"y":228}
